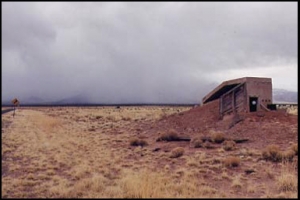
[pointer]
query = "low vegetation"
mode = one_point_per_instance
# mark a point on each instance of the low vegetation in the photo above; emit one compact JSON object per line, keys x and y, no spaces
{"x":138,"y":142}
{"x":229,"y":145}
{"x":170,"y":135}
{"x":294,"y":147}
{"x":106,"y":152}
{"x":177,"y":152}
{"x":274,"y":154}
{"x":197,"y":143}
{"x":292,"y":110}
{"x":236,"y":183}
{"x":232,"y":161}
{"x":287,"y":181}
{"x":217,"y":137}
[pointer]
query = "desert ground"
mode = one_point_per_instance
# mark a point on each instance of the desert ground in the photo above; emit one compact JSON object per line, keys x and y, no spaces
{"x":148,"y":151}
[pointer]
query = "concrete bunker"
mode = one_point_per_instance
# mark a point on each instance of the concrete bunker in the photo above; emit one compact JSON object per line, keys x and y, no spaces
{"x":247,"y":94}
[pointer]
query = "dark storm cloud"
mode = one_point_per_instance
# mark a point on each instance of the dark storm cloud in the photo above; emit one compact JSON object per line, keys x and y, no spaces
{"x":143,"y":51}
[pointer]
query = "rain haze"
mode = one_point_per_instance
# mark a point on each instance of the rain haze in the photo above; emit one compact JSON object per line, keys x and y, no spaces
{"x":144,"y":52}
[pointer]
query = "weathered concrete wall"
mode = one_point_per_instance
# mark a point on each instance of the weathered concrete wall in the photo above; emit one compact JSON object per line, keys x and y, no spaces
{"x":261,"y":88}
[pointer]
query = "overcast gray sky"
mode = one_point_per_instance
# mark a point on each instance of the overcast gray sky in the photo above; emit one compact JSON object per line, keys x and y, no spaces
{"x":121,"y":52}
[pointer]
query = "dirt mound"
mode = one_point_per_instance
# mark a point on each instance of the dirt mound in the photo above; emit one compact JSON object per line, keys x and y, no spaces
{"x":197,"y":119}
{"x":263,"y":128}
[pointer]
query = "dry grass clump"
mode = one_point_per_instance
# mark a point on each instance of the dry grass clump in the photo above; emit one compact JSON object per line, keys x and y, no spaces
{"x":229,"y":145}
{"x":232,"y":161}
{"x":192,"y":163}
{"x":126,"y":118}
{"x":138,"y":142}
{"x":294,"y":147}
{"x":251,"y":188}
{"x":208,"y":145}
{"x":197,"y":143}
{"x":287,"y":181}
{"x":287,"y":155}
{"x":171,"y":135}
{"x":177,"y":152}
{"x":236,"y":183}
{"x":142,"y":184}
{"x":217,"y":137}
{"x":111,"y":118}
{"x":273,"y":153}
{"x":292,"y":110}
{"x":149,"y":184}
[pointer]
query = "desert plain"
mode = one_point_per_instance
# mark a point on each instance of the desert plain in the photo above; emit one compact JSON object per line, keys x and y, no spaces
{"x":148,"y":152}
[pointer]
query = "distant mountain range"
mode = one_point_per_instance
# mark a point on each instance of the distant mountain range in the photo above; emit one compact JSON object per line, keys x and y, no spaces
{"x":279,"y":95}
{"x":32,"y":100}
{"x":78,"y":99}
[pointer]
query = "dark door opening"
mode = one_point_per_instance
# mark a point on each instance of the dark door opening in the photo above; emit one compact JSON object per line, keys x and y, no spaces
{"x":253,"y":104}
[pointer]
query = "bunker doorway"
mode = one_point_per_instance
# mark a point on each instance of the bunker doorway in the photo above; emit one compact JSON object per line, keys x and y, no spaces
{"x":253,"y":104}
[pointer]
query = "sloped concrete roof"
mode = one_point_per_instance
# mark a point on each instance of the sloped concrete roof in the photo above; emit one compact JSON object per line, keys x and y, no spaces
{"x":228,"y":85}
